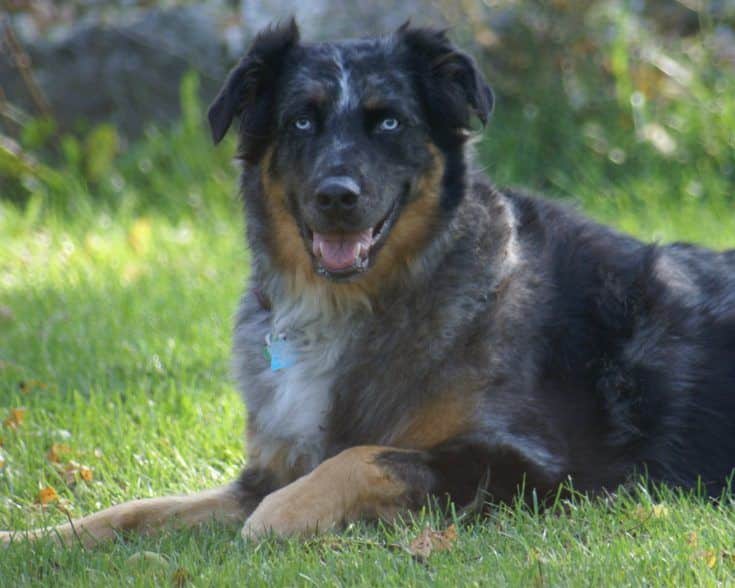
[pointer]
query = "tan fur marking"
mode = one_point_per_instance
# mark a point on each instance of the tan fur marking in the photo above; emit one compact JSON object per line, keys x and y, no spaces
{"x":144,"y":515}
{"x":290,"y":253}
{"x":407,"y":238}
{"x":412,"y":229}
{"x":316,"y":92}
{"x":341,"y":489}
{"x":439,"y":421}
{"x":373,"y":102}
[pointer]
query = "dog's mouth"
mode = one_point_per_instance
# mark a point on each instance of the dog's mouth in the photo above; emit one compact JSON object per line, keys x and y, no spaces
{"x":342,"y":255}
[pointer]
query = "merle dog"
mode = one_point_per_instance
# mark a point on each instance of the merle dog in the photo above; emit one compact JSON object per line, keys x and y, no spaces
{"x":410,"y":331}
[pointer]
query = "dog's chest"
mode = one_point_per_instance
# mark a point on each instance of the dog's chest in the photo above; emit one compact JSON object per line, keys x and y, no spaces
{"x":304,"y":360}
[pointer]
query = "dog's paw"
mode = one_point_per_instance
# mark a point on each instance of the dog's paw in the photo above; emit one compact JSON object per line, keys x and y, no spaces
{"x":291,"y":511}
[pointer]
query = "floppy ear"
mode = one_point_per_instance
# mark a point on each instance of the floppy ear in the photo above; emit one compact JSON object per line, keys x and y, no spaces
{"x":453,"y":87}
{"x":251,"y":82}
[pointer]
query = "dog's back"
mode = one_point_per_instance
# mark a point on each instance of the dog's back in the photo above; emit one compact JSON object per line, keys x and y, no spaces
{"x":649,"y":333}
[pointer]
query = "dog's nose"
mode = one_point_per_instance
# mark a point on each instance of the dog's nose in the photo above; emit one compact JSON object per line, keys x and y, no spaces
{"x":337,"y":194}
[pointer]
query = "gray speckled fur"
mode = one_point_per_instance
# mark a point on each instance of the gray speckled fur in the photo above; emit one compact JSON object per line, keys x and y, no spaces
{"x":379,"y":363}
{"x":585,"y":353}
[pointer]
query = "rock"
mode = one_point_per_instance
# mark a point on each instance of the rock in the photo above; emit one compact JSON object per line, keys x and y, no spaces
{"x":127,"y":70}
{"x":127,"y":74}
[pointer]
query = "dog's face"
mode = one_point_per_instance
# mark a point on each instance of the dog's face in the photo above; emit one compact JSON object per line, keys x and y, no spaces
{"x":350,"y":134}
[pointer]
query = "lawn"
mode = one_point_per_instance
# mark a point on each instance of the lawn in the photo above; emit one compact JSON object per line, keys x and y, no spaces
{"x":118,"y":281}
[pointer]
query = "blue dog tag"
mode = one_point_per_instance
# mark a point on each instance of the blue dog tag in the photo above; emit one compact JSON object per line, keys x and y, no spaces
{"x":282,"y":354}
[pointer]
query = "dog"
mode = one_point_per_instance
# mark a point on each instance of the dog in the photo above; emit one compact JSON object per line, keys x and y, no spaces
{"x":410,"y":332}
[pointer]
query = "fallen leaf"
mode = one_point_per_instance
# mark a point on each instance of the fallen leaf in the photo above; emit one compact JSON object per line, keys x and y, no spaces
{"x":72,"y":470}
{"x":56,"y":451}
{"x":2,"y":462}
{"x":27,"y":386}
{"x":709,"y":557}
{"x":69,"y":472}
{"x":429,"y":541}
{"x":46,"y":495}
{"x":692,"y":539}
{"x":16,"y":418}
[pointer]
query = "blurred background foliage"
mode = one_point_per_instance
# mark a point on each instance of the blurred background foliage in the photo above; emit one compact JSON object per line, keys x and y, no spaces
{"x":626,"y":105}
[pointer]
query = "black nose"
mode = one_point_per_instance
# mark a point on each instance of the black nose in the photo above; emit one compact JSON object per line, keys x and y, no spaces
{"x":337,"y":194}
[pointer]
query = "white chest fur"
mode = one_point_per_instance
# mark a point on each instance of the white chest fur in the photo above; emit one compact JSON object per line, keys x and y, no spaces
{"x":294,"y":415}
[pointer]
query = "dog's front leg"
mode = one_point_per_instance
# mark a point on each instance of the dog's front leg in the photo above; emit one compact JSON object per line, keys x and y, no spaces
{"x":360,"y":482}
{"x":233,"y":502}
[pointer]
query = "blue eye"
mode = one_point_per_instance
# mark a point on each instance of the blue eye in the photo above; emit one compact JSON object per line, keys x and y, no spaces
{"x":303,"y":123}
{"x":389,"y":124}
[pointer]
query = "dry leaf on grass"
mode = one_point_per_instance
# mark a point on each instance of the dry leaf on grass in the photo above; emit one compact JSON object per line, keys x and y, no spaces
{"x":15,"y":418}
{"x":2,"y":462}
{"x":711,"y":557}
{"x":46,"y":495}
{"x":429,"y":541}
{"x":56,"y":451}
{"x":71,"y":469}
{"x":27,"y":386}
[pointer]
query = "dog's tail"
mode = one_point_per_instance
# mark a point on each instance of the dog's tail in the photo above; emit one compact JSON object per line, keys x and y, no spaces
{"x":147,"y":515}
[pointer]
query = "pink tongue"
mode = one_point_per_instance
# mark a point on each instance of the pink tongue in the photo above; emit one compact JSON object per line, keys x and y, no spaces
{"x":341,"y":251}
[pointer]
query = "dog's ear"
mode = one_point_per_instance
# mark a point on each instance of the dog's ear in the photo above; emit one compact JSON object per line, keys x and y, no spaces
{"x":248,"y":90}
{"x":452,"y":85}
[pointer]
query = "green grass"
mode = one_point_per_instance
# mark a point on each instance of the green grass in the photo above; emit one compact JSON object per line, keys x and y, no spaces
{"x":119,"y":274}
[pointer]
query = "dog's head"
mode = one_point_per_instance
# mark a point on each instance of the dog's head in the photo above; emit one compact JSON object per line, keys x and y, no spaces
{"x":359,"y":143}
